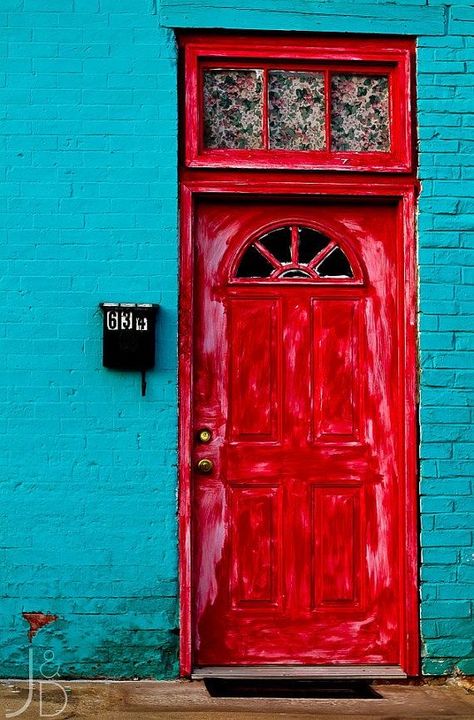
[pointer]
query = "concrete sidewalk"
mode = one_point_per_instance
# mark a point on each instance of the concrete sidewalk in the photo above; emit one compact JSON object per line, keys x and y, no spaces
{"x":191,"y":701}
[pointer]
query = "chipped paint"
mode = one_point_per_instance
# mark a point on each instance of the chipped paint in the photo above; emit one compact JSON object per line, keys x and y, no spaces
{"x":37,"y":620}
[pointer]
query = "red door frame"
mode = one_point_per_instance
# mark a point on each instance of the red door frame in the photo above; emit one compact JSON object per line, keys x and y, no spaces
{"x":374,"y":55}
{"x":197,"y":183}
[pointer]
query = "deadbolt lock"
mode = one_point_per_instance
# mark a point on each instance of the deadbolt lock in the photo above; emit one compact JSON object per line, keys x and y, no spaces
{"x":205,"y":435}
{"x":205,"y":466}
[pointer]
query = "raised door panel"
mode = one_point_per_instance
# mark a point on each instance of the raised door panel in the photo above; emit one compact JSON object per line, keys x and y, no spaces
{"x":335,"y":355}
{"x":337,"y":551}
{"x":254,"y":370}
{"x":255,"y":545}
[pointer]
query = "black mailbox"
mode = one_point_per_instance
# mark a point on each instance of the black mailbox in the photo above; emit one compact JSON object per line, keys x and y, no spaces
{"x":129,"y":336}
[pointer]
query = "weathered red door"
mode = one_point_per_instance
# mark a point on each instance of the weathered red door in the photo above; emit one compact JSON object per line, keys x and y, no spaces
{"x":297,"y":549}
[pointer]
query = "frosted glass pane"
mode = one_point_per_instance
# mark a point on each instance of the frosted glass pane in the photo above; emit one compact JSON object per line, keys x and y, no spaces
{"x":233,"y":109}
{"x":296,"y":110}
{"x":359,"y":113}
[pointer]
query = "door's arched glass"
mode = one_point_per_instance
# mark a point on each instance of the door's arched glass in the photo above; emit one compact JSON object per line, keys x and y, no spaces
{"x":295,"y":252}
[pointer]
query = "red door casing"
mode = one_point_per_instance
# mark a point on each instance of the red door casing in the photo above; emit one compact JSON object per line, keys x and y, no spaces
{"x":297,"y":553}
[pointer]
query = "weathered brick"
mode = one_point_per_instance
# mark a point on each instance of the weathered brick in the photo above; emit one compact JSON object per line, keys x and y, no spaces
{"x":437,"y":504}
{"x":452,"y":628}
{"x":432,"y":450}
{"x":466,"y":666}
{"x":447,"y":538}
{"x":460,"y":590}
{"x":443,"y":609}
{"x":61,"y":123}
{"x":454,"y":520}
{"x":437,"y":667}
{"x":449,"y":647}
{"x":439,"y":556}
{"x":438,"y":574}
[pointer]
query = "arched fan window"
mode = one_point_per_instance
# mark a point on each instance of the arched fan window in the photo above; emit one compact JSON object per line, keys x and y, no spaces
{"x":295,"y":253}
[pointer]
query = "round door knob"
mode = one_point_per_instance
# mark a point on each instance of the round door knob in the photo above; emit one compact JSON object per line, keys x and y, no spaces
{"x":205,"y":466}
{"x":205,"y":435}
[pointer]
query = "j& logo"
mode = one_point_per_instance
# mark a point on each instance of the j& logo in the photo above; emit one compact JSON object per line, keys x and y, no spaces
{"x":48,"y":670}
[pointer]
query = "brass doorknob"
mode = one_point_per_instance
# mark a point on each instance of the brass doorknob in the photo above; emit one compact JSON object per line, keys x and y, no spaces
{"x":205,"y":466}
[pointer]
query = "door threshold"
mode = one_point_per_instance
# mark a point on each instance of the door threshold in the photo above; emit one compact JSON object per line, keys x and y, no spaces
{"x":274,"y":672}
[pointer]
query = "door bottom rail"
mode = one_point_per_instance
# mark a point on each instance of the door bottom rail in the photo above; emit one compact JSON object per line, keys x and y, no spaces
{"x":274,"y":672}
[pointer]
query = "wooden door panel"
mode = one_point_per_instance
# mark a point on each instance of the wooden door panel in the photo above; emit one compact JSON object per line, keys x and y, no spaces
{"x":254,"y":371}
{"x":336,"y":369}
{"x":255,"y":545}
{"x":337,"y":555}
{"x":296,"y":529}
{"x":296,"y":340}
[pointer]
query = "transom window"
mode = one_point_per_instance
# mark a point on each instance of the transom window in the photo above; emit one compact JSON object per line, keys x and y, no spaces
{"x":306,"y":104}
{"x":300,"y":110}
{"x":297,"y":253}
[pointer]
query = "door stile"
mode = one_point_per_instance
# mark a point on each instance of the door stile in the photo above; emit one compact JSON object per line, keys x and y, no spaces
{"x":185,"y":393}
{"x":411,"y":643}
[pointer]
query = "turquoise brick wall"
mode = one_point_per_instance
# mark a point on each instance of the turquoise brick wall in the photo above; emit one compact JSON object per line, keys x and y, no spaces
{"x":89,"y":213}
{"x":446,"y":257}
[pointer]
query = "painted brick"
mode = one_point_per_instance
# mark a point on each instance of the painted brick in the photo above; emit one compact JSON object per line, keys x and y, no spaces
{"x":68,"y":352}
{"x":436,"y":450}
{"x":468,"y":506}
{"x":460,"y":468}
{"x":455,"y":521}
{"x":466,"y":575}
{"x":447,"y":538}
{"x":439,"y":341}
{"x":438,"y":574}
{"x":429,"y":591}
{"x":427,"y":522}
{"x":466,"y":666}
{"x":460,"y":590}
{"x":437,"y":667}
{"x":88,"y":206}
{"x":437,"y":556}
{"x":437,"y":504}
{"x":450,"y":628}
{"x":446,"y":609}
{"x":449,"y":647}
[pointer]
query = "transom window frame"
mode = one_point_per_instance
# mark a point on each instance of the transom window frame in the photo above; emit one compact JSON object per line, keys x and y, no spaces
{"x":365,"y":56}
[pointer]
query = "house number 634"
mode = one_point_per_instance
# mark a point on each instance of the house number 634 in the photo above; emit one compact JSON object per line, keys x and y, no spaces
{"x":125,"y":320}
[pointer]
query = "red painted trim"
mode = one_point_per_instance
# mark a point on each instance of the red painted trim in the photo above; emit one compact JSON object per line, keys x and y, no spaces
{"x":283,"y":183}
{"x":364,"y":55}
{"x":411,"y":503}
{"x":330,"y":187}
{"x":184,"y":450}
{"x":372,"y":55}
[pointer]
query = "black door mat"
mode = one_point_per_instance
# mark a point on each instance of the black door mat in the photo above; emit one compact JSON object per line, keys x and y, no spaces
{"x":317,"y":689}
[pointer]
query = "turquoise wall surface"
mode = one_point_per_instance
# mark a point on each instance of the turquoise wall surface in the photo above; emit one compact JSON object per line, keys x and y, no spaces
{"x":88,"y":94}
{"x":89,"y":214}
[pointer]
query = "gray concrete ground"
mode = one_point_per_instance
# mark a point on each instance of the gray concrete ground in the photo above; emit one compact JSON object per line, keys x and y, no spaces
{"x":190,"y":701}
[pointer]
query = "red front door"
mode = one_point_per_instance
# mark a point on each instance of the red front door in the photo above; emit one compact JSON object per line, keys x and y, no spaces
{"x":297,"y":549}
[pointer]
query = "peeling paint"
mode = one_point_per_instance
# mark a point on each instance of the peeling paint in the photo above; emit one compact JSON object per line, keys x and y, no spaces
{"x":37,"y":620}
